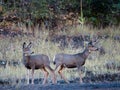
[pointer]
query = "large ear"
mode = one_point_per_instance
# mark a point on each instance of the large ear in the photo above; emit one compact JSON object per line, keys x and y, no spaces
{"x":95,"y":40}
{"x":24,"y":45}
{"x":29,"y":45}
{"x":90,"y":43}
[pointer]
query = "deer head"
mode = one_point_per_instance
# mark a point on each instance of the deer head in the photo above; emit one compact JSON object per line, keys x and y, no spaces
{"x":26,"y":49}
{"x":91,"y":46}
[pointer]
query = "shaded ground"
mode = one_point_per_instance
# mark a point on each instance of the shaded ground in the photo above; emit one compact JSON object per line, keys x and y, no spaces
{"x":91,"y":82}
{"x":71,"y":86}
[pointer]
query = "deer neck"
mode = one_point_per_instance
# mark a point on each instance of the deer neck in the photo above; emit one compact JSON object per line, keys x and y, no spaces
{"x":85,"y":53}
{"x":26,"y":59}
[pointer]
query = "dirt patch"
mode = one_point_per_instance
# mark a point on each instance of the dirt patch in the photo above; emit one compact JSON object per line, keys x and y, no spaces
{"x":71,"y":86}
{"x":99,"y":82}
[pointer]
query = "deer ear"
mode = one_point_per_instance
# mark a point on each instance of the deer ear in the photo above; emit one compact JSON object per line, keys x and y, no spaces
{"x":90,"y":43}
{"x":24,"y":45}
{"x":29,"y":45}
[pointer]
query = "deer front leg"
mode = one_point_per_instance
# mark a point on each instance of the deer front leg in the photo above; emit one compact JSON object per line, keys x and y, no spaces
{"x":28,"y":76}
{"x":60,"y":72}
{"x":45,"y":76}
{"x":32,"y":76}
{"x":80,"y":74}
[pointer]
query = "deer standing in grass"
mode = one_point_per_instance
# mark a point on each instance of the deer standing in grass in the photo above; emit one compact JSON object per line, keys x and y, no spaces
{"x":34,"y":62}
{"x":73,"y":60}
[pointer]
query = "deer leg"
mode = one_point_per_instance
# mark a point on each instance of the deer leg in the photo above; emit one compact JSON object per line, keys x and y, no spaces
{"x":45,"y":75}
{"x":53,"y":74}
{"x":28,"y":76}
{"x":32,"y":76}
{"x":60,"y":72}
{"x":56,"y":67}
{"x":80,"y":74}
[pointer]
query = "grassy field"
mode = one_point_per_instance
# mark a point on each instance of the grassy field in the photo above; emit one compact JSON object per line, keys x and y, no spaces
{"x":11,"y":49}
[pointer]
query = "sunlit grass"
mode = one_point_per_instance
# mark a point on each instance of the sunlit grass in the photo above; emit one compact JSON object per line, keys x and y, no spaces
{"x":11,"y":49}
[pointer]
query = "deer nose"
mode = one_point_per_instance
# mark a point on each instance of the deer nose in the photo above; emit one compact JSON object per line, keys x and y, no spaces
{"x":32,"y":52}
{"x":97,"y":49}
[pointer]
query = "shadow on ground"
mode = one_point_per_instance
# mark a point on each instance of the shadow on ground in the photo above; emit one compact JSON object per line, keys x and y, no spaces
{"x":91,"y":82}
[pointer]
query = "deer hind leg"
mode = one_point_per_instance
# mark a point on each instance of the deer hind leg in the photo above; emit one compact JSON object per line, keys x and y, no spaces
{"x":80,"y":74}
{"x":60,"y":72}
{"x":45,"y":76}
{"x":53,"y":74}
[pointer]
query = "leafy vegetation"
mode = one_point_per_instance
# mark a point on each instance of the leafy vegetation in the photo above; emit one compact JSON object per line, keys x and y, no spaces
{"x":100,"y":13}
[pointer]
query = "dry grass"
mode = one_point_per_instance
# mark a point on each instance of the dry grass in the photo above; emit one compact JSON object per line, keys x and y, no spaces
{"x":11,"y":48}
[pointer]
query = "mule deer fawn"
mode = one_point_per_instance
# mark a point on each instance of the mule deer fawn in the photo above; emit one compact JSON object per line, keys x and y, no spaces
{"x":34,"y":62}
{"x":73,"y":60}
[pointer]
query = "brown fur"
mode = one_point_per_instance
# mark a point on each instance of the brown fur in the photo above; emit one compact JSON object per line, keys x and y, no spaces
{"x":34,"y":62}
{"x":72,"y":60}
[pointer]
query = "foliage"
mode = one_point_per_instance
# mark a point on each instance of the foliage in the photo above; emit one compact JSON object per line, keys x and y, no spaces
{"x":102,"y":12}
{"x":38,"y":11}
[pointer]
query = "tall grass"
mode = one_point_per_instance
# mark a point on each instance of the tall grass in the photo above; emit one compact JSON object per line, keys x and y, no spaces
{"x":11,"y":49}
